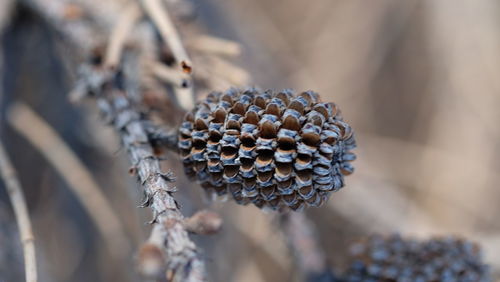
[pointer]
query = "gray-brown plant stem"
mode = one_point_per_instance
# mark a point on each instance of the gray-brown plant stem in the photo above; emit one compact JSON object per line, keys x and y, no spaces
{"x":21,"y":212}
{"x":182,"y":257}
{"x":160,"y":16}
{"x":303,"y":244}
{"x":80,"y":181}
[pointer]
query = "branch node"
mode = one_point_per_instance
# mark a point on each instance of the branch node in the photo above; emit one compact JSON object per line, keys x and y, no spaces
{"x":150,"y":261}
{"x":204,"y":223}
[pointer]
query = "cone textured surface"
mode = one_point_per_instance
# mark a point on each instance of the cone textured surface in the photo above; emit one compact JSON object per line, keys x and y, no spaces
{"x":395,"y":259}
{"x":273,"y":148}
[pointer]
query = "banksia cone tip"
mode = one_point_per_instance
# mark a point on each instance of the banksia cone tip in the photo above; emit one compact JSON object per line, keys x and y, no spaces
{"x":396,"y":259}
{"x":273,"y":149}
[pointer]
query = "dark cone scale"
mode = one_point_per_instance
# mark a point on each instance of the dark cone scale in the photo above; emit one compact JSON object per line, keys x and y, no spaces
{"x":273,"y":149}
{"x":395,"y":259}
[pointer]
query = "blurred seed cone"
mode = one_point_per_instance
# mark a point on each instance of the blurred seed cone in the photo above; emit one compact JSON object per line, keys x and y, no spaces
{"x":272,"y":149}
{"x":395,"y":259}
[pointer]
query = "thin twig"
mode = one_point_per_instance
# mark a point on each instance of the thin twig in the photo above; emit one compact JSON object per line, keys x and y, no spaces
{"x":151,"y":261}
{"x":6,"y":13}
{"x":257,"y":233}
{"x":185,"y":97}
{"x":181,"y":83}
{"x":131,"y":14}
{"x":255,"y":228}
{"x":215,"y":45}
{"x":248,"y":272}
{"x":159,"y":15}
{"x":79,"y":179}
{"x":302,"y":241}
{"x":21,"y":212}
{"x":169,"y":75}
{"x":203,"y":222}
{"x":234,"y":74}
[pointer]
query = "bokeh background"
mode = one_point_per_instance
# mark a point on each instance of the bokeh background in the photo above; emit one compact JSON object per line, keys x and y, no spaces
{"x":417,"y":80}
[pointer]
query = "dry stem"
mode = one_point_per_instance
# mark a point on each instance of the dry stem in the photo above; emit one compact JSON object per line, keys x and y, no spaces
{"x":169,"y":75}
{"x":302,"y":241}
{"x":232,"y":73}
{"x":182,"y":257}
{"x":136,"y":132}
{"x":215,"y":45}
{"x":159,"y":15}
{"x":131,"y":14}
{"x":151,"y":260}
{"x":80,"y":181}
{"x":181,"y":83}
{"x":203,"y":222}
{"x":21,"y":212}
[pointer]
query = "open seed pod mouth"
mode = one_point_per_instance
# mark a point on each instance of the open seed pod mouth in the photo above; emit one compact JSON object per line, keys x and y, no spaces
{"x":275,"y":149}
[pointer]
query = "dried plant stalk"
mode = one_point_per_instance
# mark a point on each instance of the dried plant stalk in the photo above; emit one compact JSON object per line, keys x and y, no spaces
{"x":181,"y":83}
{"x":22,"y":215}
{"x":203,"y":222}
{"x":117,"y":96}
{"x":168,"y":234}
{"x":79,"y":179}
{"x":128,"y":18}
{"x":181,"y":254}
{"x":303,"y":244}
{"x":137,"y":135}
{"x":159,"y":15}
{"x":215,"y":45}
{"x":169,"y":75}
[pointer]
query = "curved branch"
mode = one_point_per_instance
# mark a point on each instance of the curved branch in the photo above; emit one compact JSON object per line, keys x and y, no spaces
{"x":300,"y":234}
{"x":73,"y":171}
{"x":22,"y":215}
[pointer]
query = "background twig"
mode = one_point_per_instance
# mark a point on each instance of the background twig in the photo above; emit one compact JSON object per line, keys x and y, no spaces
{"x":54,"y":149}
{"x":303,"y":243}
{"x":22,"y":215}
{"x":159,"y":15}
{"x":210,"y":44}
{"x":128,"y":18}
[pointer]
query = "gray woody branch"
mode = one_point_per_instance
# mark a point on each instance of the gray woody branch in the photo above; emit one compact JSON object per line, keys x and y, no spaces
{"x":116,"y":95}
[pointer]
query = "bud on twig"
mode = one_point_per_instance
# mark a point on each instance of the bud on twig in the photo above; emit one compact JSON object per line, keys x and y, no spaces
{"x":150,"y":261}
{"x":204,"y":223}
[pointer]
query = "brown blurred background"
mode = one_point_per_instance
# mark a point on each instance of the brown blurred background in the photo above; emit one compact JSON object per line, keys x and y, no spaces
{"x":416,"y":79}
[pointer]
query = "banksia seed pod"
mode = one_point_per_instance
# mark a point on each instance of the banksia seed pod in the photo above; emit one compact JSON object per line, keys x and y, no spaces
{"x":272,"y":149}
{"x":395,"y":259}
